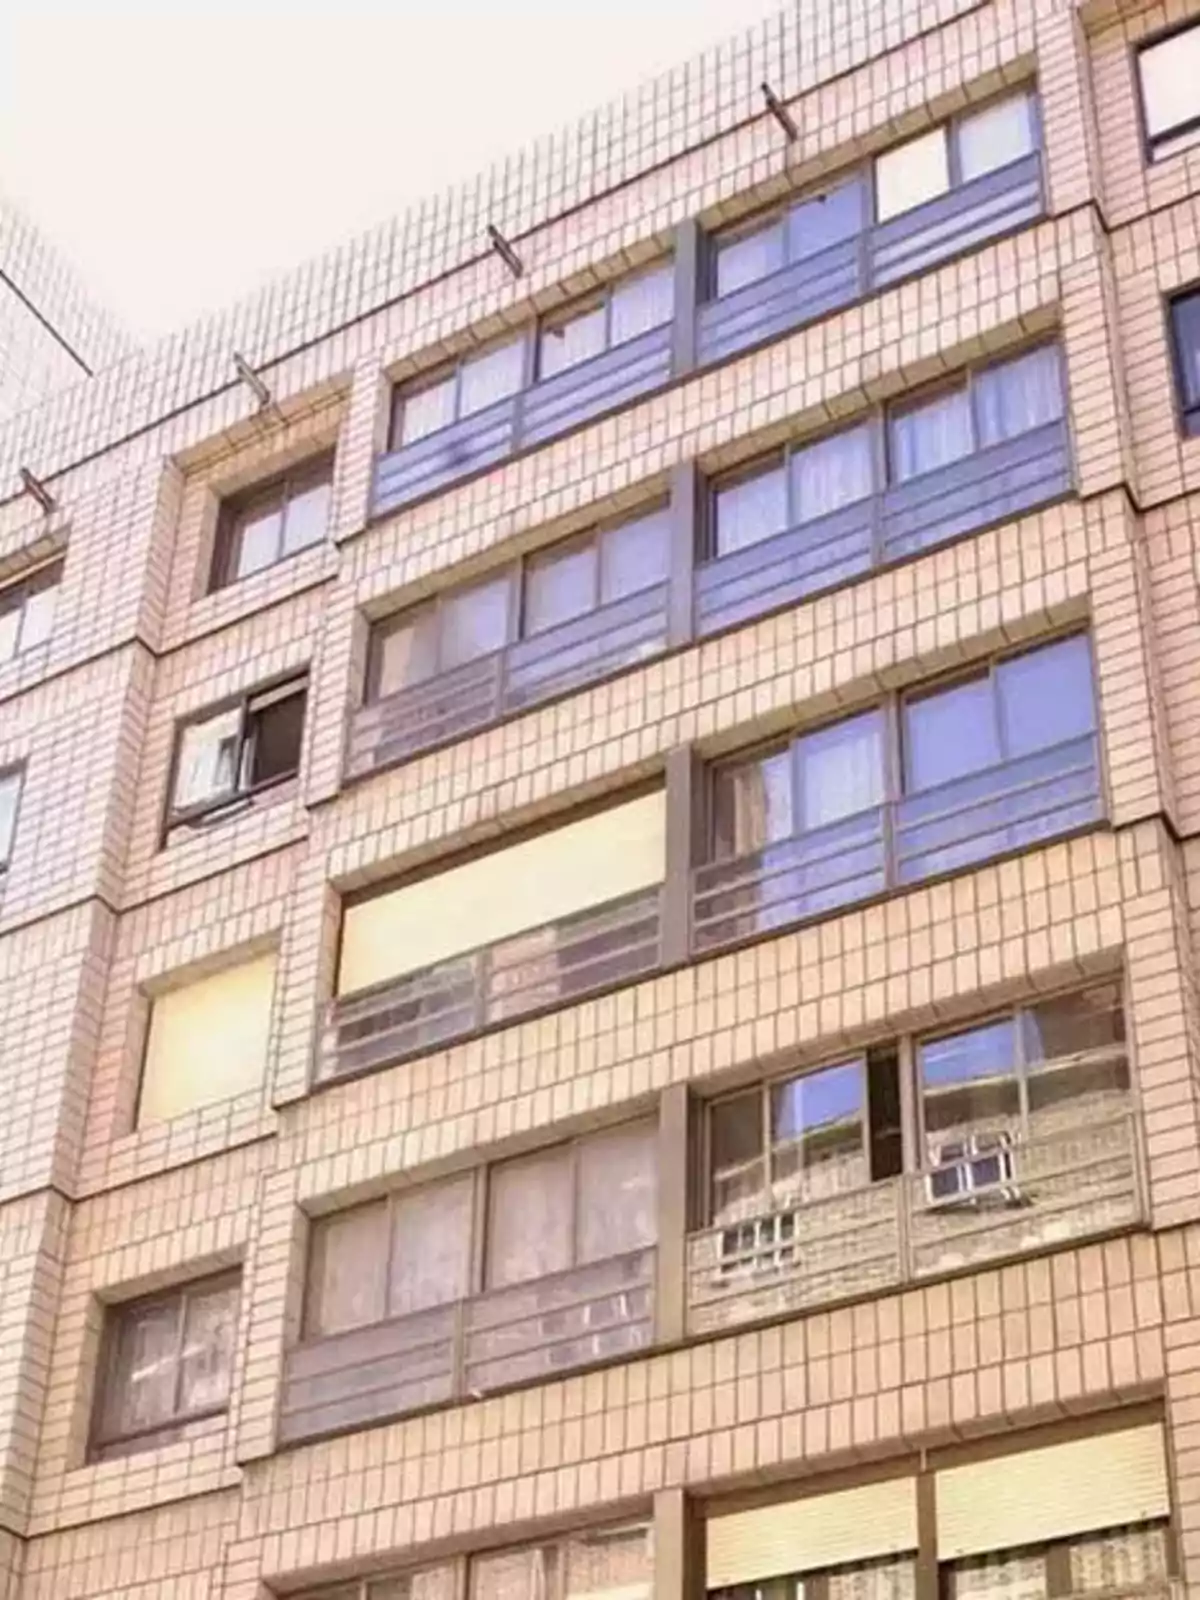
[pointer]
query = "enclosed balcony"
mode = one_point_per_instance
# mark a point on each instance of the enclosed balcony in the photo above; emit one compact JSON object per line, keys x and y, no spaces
{"x":1021,"y":1137}
{"x":515,"y":1272}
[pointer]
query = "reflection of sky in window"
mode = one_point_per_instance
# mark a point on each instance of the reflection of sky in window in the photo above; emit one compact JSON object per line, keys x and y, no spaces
{"x":979,"y":1053}
{"x":816,"y":1100}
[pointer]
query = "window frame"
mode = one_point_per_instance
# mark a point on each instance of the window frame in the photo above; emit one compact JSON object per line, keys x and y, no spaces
{"x":15,"y":770}
{"x":1187,"y":416}
{"x":516,"y":572}
{"x":950,"y":129}
{"x":215,"y":809}
{"x":14,"y":596}
{"x":1151,"y":156}
{"x":284,"y":487}
{"x":106,"y":1447}
{"x":478,"y":1246}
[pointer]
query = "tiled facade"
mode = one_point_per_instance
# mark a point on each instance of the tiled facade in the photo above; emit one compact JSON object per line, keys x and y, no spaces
{"x":1060,"y":1302}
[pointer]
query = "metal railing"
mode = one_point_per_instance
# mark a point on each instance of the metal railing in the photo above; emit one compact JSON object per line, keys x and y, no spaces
{"x":547,"y":965}
{"x":973,"y":819}
{"x":1050,"y":1189}
{"x":505,"y":1336}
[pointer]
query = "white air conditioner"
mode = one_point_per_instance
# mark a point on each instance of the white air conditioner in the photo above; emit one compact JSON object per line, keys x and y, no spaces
{"x":977,"y":1168}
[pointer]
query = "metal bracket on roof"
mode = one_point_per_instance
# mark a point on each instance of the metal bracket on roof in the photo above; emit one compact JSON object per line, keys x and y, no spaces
{"x":505,"y":250}
{"x":780,"y":112}
{"x":252,"y":380}
{"x":37,"y":490}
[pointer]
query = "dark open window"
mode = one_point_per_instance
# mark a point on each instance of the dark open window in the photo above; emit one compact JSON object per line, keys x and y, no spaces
{"x":1169,"y":79}
{"x":166,"y":1364}
{"x":230,"y":754}
{"x":271,"y":521}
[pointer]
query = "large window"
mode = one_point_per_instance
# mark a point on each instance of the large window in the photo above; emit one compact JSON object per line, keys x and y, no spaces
{"x":229,"y":755}
{"x":561,"y":584}
{"x":597,"y":1564}
{"x":755,"y":249}
{"x":973,"y":145}
{"x":609,"y":318}
{"x":1185,"y":336}
{"x":11,"y":783}
{"x":541,"y":1214}
{"x":27,"y":611}
{"x":272,"y":521}
{"x":1169,"y":78}
{"x":806,"y":483}
{"x":166,"y":1366}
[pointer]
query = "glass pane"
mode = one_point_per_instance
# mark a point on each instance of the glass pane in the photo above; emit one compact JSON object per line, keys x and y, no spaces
{"x":992,"y":138}
{"x":1170,"y":72}
{"x":840,"y":770}
{"x":634,"y":556}
{"x":618,"y":1192}
{"x":949,"y":734}
{"x":307,"y":516}
{"x":431,"y":1248}
{"x":609,"y":1564}
{"x":1075,"y":1057}
{"x":642,"y":303}
{"x":911,"y":174}
{"x":473,"y":623}
{"x":968,"y":1082}
{"x":932,"y":435}
{"x":208,"y":1349}
{"x":566,"y":341}
{"x":559,"y":585}
{"x":426,"y":410}
{"x":526,"y":1574}
{"x":753,"y":804}
{"x":208,"y":759}
{"x":747,"y":257}
{"x":493,"y":376}
{"x":144,"y":1369}
{"x":1046,"y":696}
{"x":10,"y":628}
{"x":1011,"y":1575}
{"x":405,"y":653}
{"x":817,"y":1133}
{"x":256,"y":542}
{"x":1185,"y":315}
{"x":531,"y":1218}
{"x":825,"y":220}
{"x":38,"y":619}
{"x":1089,"y":1019}
{"x":832,"y":473}
{"x":347,"y":1271}
{"x":750,"y":509}
{"x":1120,"y":1560}
{"x":10,"y":795}
{"x":738,"y":1171}
{"x":1016,"y":396}
{"x":275,"y":735}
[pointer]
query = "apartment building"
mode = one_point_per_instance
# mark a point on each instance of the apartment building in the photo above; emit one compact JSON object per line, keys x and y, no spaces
{"x":52,"y":333}
{"x":600,"y":800}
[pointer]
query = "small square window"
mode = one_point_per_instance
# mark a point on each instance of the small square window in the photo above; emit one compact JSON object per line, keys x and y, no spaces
{"x":167,"y":1365}
{"x":272,"y":521}
{"x":238,"y":750}
{"x":1169,"y":77}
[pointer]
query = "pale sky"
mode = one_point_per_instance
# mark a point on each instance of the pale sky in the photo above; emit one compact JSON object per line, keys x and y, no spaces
{"x":180,"y":152}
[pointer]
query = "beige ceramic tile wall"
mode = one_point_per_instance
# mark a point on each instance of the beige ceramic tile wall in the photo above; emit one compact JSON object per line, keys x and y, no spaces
{"x":91,"y":1208}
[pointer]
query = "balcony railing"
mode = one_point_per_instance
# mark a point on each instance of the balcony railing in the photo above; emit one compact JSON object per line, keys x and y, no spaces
{"x":1003,"y":808}
{"x":506,"y":1336}
{"x":964,"y":219}
{"x":1052,"y":1188}
{"x":546,"y":966}
{"x":584,"y":650}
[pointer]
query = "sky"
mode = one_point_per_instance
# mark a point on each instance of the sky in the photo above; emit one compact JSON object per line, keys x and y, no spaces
{"x":181,"y":152}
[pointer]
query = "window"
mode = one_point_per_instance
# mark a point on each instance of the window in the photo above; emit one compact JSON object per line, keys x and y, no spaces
{"x":207,"y":1039}
{"x":757,"y":248}
{"x":232,"y":754}
{"x":972,"y":146}
{"x":602,"y":321}
{"x":11,"y":784}
{"x":1055,"y":1067}
{"x":166,"y":1367}
{"x":1185,"y":337}
{"x":807,"y":483}
{"x":553,"y":586}
{"x":1169,"y":77}
{"x":272,"y":521}
{"x":567,"y":1206}
{"x":993,"y":405}
{"x":612,"y":1562}
{"x":475,"y":382}
{"x":27,"y":611}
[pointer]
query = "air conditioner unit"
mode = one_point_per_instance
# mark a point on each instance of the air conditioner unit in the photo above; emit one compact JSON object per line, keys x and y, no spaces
{"x":975,"y":1169}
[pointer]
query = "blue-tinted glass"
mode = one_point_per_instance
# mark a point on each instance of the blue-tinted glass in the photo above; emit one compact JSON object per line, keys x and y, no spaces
{"x":948,"y":735}
{"x":1046,"y":696}
{"x":817,"y":1100}
{"x":826,"y":220}
{"x":965,"y":1057}
{"x":1185,"y":314}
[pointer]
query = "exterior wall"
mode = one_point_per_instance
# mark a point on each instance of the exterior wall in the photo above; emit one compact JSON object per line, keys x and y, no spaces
{"x":95,"y":910}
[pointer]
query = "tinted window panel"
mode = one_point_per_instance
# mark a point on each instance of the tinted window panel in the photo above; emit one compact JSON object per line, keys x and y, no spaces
{"x":750,"y":509}
{"x":1046,"y":696}
{"x":950,"y":734}
{"x":994,"y":137}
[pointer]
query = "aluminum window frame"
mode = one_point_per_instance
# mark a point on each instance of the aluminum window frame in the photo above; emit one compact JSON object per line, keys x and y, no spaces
{"x":15,"y":596}
{"x":103,"y":1446}
{"x":1151,"y":154}
{"x":233,"y":510}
